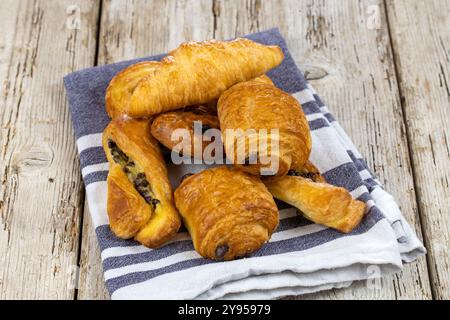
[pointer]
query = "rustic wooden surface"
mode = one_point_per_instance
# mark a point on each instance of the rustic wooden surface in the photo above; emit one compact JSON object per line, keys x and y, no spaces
{"x":41,"y":193}
{"x":389,"y":60}
{"x":422,"y":56}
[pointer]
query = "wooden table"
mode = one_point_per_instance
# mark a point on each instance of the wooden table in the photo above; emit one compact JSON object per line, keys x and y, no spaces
{"x":388,"y":60}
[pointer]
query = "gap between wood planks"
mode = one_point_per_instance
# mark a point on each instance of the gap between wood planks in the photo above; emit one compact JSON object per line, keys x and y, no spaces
{"x":409,"y":144}
{"x":83,"y":203}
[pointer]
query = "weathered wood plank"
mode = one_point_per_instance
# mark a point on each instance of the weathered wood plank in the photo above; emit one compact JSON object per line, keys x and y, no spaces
{"x":421,"y":42}
{"x":40,"y":190}
{"x":130,"y":30}
{"x":347,"y":55}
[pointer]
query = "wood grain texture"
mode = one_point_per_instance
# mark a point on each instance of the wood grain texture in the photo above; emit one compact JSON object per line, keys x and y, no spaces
{"x":40,"y":190}
{"x":348,"y":59}
{"x":131,"y":29}
{"x":422,"y":53}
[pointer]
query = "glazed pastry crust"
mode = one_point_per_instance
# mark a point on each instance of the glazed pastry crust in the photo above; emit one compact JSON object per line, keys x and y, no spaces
{"x":165,"y":125}
{"x":128,"y":212}
{"x":319,"y":202}
{"x":255,"y":105}
{"x":199,"y":72}
{"x":228,"y":213}
{"x":130,"y":215}
{"x":308,"y":171}
{"x":121,"y":87}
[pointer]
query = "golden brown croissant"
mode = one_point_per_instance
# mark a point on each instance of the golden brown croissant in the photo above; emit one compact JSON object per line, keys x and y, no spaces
{"x":319,"y":202}
{"x":140,"y":199}
{"x":164,"y":127}
{"x":228,"y":213}
{"x":259,"y":106}
{"x":198,"y":72}
{"x":121,"y":87}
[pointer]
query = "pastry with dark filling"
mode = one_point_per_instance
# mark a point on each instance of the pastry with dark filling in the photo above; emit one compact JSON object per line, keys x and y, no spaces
{"x":140,"y":198}
{"x":252,"y":106}
{"x":229,"y":213}
{"x":320,"y":202}
{"x":164,"y":127}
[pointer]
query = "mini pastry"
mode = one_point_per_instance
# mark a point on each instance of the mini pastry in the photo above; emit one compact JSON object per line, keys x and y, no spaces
{"x":199,"y":72}
{"x":256,"y":106}
{"x":164,"y":128}
{"x":140,"y":200}
{"x":308,"y":171}
{"x":229,"y":213}
{"x":121,"y":87}
{"x":319,"y":202}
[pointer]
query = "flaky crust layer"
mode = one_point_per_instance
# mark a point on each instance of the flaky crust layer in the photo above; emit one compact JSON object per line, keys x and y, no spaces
{"x":127,"y":210}
{"x":199,"y":72}
{"x":135,"y":141}
{"x":228,"y":213}
{"x":259,"y":106}
{"x":164,"y":127}
{"x":121,"y":87}
{"x":319,"y":202}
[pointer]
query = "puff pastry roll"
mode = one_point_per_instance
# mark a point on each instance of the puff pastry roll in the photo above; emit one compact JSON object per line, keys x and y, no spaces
{"x":194,"y":122}
{"x":318,"y":201}
{"x":198,"y":72}
{"x":140,"y":199}
{"x":308,"y":171}
{"x":229,"y":213}
{"x":254,"y":106}
{"x":121,"y":87}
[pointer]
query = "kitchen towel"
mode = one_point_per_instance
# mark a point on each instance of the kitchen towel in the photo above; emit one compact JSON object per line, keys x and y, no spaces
{"x":301,"y":257}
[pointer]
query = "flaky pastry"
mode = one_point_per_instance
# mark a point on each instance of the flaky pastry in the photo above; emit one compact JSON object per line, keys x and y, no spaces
{"x":199,"y":72}
{"x":140,"y":199}
{"x":258,"y":106}
{"x":164,"y":129}
{"x":229,"y":213}
{"x":121,"y":87}
{"x":319,"y":202}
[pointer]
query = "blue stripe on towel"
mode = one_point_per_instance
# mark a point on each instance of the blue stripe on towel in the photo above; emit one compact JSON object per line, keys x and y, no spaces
{"x":182,"y":246}
{"x":300,"y":243}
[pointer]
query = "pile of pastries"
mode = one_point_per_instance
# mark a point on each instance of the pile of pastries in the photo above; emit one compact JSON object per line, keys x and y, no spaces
{"x":229,"y":210}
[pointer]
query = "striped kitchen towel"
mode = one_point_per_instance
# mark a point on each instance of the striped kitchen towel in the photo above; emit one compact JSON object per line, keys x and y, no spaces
{"x":300,"y":258}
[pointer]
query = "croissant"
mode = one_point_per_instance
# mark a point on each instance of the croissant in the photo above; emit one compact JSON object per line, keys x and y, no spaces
{"x":121,"y":87}
{"x":140,"y":199}
{"x":257,"y":106}
{"x":229,"y":213}
{"x":199,"y":72}
{"x":318,"y":201}
{"x":164,"y":128}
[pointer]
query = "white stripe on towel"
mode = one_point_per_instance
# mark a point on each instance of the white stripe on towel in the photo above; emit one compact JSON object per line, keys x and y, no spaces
{"x":184,"y":256}
{"x":89,"y":141}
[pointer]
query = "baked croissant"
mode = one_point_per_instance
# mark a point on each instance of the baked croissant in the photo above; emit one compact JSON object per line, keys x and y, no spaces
{"x":229,"y":213}
{"x":199,"y":72}
{"x":140,"y":201}
{"x":121,"y":87}
{"x":257,"y":106}
{"x":164,"y":128}
{"x":319,"y":202}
